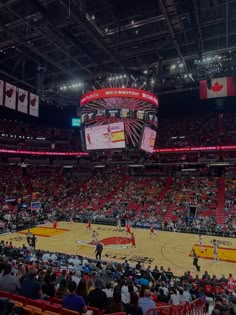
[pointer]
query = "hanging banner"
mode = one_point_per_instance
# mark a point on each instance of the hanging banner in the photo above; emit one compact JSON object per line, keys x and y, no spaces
{"x":22,"y":105}
{"x":10,"y":96}
{"x":34,"y":105}
{"x":1,"y":92}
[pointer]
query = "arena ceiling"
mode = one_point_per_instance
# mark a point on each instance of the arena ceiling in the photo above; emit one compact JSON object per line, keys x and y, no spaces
{"x":170,"y":44}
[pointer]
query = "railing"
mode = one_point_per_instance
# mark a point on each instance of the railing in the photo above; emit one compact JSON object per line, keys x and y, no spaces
{"x":197,"y":307}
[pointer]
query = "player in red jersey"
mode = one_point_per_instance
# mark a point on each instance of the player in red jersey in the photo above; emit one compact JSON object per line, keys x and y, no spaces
{"x":89,"y":225}
{"x":133,"y":242}
{"x":54,"y":225}
{"x":152,"y":232}
{"x":128,"y":228}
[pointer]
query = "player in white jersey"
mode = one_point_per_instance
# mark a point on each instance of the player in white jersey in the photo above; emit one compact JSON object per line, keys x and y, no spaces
{"x":118,"y":225}
{"x":200,"y":242}
{"x":71,"y":221}
{"x":95,"y":239}
{"x":215,"y":250}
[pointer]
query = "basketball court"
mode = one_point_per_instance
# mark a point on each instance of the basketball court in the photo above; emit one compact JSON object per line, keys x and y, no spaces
{"x":168,"y":249}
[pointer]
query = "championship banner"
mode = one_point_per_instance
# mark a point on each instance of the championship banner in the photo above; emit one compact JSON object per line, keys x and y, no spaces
{"x":120,"y":93}
{"x":34,"y":105}
{"x":10,"y":96}
{"x":1,"y":92}
{"x":22,"y":105}
{"x":220,"y":87}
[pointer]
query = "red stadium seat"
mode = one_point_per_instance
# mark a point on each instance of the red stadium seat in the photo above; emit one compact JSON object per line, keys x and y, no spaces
{"x":56,"y":301}
{"x":5,"y":294}
{"x":96,"y":311}
{"x":19,"y":298}
{"x":65,"y":311}
{"x":53,"y":308}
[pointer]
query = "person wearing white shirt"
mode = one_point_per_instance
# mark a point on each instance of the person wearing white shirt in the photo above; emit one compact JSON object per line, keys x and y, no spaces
{"x":46,"y":257}
{"x":53,"y":257}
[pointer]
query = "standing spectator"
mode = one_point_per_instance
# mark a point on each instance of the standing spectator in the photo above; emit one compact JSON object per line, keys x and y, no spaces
{"x":97,"y":298}
{"x":74,"y":302}
{"x":30,"y":287}
{"x":8,"y":282}
{"x":146,"y":302}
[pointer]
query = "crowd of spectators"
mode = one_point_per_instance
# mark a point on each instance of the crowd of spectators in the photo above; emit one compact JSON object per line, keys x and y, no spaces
{"x":111,"y":192}
{"x":113,"y":287}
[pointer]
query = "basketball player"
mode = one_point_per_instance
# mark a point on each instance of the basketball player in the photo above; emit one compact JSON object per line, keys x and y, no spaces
{"x":95,"y":239}
{"x":128,"y":228}
{"x":133,"y":242}
{"x":54,"y":225}
{"x":200,"y":242}
{"x":152,"y":232}
{"x":109,"y":134}
{"x":215,"y":250}
{"x":88,"y":138}
{"x":71,"y":221}
{"x":195,"y":260}
{"x":89,"y":225}
{"x":118,"y":225}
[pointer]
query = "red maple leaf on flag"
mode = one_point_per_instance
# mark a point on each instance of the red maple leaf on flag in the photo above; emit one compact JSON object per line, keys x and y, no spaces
{"x":217,"y":87}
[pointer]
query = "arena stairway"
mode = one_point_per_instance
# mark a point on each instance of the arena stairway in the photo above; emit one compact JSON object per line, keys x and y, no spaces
{"x":166,"y":188}
{"x":169,"y":212}
{"x":220,"y":213}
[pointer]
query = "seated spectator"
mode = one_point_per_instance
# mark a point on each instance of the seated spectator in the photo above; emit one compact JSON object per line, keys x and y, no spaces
{"x":30,"y":287}
{"x":133,"y":308}
{"x":90,"y":285}
{"x":74,"y":302}
{"x":108,"y":290}
{"x":8,"y":282}
{"x":97,"y":298}
{"x":82,"y":290}
{"x":187,"y":295}
{"x":162,"y":297}
{"x":174,"y":297}
{"x":62,"y":276}
{"x":145,"y":303}
{"x":62,"y":290}
{"x":116,"y":304}
{"x":49,"y":287}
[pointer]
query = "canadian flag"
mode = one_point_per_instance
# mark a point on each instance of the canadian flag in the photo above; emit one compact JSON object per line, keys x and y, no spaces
{"x":10,"y":96}
{"x":22,"y":101}
{"x":34,"y":105}
{"x":220,"y":87}
{"x":1,"y":92}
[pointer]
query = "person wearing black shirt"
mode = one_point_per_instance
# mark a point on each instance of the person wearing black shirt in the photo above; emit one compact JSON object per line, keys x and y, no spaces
{"x":195,"y":260}
{"x":99,"y":249}
{"x":97,"y":298}
{"x":33,"y":241}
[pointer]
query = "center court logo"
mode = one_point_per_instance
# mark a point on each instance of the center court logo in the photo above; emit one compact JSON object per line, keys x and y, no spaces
{"x":109,"y":243}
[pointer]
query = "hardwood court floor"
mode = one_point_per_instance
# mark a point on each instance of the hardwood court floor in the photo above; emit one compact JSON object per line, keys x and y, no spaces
{"x":168,"y":249}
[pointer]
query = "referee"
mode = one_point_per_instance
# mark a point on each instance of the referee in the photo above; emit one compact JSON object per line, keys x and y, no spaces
{"x":98,"y":251}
